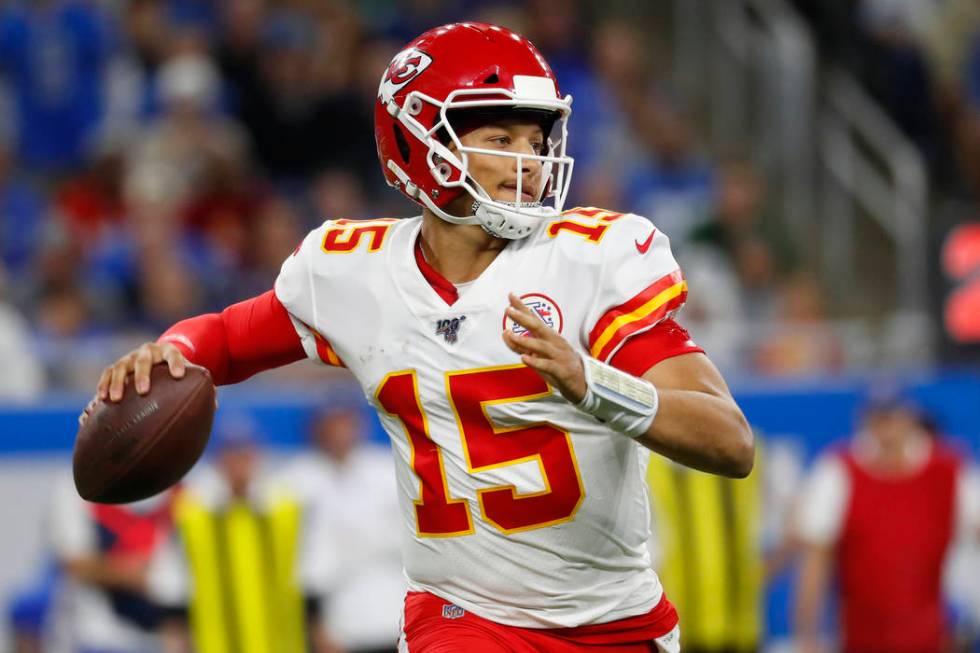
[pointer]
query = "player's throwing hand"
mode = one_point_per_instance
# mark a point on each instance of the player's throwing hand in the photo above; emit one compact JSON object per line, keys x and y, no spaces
{"x":545,"y":351}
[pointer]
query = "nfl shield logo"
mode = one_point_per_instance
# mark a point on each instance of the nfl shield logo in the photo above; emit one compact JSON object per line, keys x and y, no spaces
{"x":450,"y":611}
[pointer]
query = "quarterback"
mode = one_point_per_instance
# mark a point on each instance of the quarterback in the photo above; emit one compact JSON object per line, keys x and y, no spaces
{"x":524,"y":359}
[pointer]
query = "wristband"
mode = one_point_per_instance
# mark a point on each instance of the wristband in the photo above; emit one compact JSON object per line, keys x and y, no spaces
{"x":627,"y":404}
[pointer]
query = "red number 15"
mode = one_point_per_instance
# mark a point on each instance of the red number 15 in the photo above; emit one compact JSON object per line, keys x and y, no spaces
{"x":486,"y":446}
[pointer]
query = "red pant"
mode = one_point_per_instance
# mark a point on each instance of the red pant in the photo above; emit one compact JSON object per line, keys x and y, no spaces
{"x":433,"y":625}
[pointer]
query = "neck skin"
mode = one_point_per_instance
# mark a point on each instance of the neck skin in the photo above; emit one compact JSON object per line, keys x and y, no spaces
{"x":459,"y":252}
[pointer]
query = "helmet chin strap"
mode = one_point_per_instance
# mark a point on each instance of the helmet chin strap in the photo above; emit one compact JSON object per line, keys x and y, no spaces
{"x":499,"y":219}
{"x":510,"y":220}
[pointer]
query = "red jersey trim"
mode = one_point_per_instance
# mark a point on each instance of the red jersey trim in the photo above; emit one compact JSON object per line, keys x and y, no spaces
{"x":644,"y":350}
{"x":642,"y":311}
{"x":443,"y":286}
{"x":324,"y":350}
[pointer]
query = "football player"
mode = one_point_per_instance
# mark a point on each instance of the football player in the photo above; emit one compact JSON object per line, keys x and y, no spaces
{"x":523,"y":359}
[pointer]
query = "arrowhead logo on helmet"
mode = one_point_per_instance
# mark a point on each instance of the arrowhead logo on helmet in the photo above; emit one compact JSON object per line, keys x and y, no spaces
{"x":406,"y":66}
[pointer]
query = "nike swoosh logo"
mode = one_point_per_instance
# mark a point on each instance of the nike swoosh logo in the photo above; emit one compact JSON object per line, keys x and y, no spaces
{"x":645,"y":245}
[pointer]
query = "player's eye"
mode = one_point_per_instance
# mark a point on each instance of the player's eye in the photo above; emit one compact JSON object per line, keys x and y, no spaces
{"x":503,"y":141}
{"x":537,"y":147}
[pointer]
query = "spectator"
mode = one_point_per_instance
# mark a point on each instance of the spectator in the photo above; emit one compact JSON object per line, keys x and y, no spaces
{"x":296,"y":125}
{"x":22,"y":212}
{"x":348,"y":486}
{"x":882,"y":512}
{"x":23,"y":377}
{"x":103,"y":551}
{"x":674,"y":184}
{"x":719,"y":541}
{"x":229,"y":573}
{"x":54,"y":53}
{"x":190,"y":141}
{"x":799,"y":340}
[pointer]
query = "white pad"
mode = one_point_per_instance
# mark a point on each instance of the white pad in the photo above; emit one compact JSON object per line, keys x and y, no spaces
{"x":626,"y":403}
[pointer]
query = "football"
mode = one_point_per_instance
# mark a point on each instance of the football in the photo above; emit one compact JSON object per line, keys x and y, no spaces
{"x":132,"y":449}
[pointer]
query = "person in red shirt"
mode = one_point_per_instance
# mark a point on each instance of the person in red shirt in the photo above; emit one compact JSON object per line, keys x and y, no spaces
{"x":881,"y":513}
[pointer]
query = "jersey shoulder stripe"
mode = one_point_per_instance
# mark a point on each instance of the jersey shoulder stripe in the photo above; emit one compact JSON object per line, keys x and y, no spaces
{"x":643,"y":310}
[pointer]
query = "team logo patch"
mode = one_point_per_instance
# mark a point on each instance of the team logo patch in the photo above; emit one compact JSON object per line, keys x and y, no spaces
{"x":406,"y":66}
{"x":450,"y":611}
{"x":541,"y":305}
{"x":449,"y":328}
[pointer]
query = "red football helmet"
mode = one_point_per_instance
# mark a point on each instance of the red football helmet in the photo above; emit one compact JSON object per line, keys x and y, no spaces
{"x":469,"y":66}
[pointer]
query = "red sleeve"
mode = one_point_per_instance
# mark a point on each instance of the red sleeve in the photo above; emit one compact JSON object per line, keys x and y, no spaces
{"x":245,"y":338}
{"x":644,"y":350}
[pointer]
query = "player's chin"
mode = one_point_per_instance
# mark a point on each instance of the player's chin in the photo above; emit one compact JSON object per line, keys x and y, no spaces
{"x":510,"y":196}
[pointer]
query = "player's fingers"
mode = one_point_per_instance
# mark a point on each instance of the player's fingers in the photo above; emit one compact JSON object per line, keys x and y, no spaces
{"x":513,"y":342}
{"x":535,"y":346}
{"x":117,"y":383}
{"x":141,"y":369}
{"x":529,"y":321}
{"x":175,"y":361}
{"x":102,"y":389}
{"x":83,"y":417}
{"x":543,"y":365}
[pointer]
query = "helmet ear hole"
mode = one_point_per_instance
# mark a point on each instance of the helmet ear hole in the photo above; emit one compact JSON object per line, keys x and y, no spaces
{"x":402,"y":143}
{"x":492,"y":79}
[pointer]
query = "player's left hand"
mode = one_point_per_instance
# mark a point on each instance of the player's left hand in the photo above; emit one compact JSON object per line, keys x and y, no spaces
{"x":545,"y":351}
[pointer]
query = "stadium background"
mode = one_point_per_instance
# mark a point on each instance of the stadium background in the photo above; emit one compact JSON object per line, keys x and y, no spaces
{"x":817,"y":166}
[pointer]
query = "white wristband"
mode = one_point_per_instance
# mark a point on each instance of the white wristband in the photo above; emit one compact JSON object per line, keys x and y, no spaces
{"x":624,"y":402}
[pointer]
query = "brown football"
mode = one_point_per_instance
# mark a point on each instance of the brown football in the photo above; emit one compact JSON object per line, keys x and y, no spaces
{"x":142,"y":445}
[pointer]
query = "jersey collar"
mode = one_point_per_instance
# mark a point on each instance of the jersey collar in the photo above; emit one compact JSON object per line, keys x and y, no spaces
{"x":443,"y":286}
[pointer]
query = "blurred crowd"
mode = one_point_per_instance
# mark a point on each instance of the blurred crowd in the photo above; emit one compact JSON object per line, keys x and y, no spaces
{"x":160,"y":158}
{"x":920,"y":59}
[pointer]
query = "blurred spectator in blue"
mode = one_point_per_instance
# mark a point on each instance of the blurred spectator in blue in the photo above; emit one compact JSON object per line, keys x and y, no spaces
{"x":347,"y":486}
{"x":104,"y":551}
{"x":22,"y":210}
{"x":881,"y":512}
{"x":674,"y":186}
{"x":23,"y":375}
{"x":29,"y":611}
{"x":53,"y":53}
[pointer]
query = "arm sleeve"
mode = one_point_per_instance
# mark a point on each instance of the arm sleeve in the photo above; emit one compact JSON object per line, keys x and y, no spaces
{"x":248,"y":337}
{"x":640,"y":288}
{"x":644,"y":350}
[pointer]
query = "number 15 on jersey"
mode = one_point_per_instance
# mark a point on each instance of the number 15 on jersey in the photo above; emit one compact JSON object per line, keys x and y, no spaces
{"x":486,"y":446}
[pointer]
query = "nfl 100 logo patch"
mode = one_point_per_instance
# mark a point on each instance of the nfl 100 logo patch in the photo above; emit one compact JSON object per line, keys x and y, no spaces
{"x":450,"y":611}
{"x":449,"y":328}
{"x":541,"y":305}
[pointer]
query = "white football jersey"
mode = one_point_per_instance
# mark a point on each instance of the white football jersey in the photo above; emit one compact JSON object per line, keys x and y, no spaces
{"x":515,"y":505}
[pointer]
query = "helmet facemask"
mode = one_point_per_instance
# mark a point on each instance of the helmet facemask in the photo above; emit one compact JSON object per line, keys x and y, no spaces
{"x":450,"y":166}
